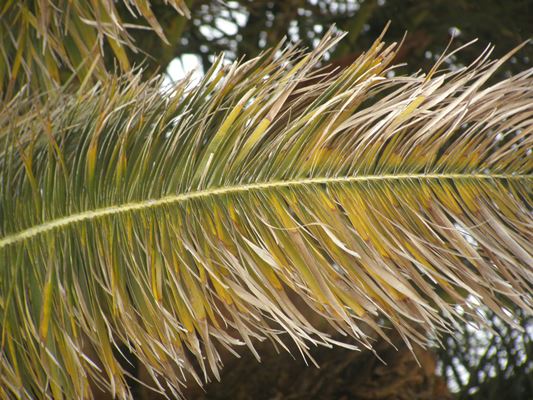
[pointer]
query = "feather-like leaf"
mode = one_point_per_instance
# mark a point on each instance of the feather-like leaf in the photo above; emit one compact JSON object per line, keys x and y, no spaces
{"x":266,"y":196}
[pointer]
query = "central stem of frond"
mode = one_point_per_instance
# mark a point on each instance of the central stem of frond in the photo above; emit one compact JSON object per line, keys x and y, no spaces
{"x":220,"y":191}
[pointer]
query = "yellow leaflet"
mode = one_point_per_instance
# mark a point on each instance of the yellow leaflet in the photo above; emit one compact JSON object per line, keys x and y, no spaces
{"x":214,"y":83}
{"x":144,"y":7}
{"x":253,"y":139}
{"x":391,"y":197}
{"x":468,"y":196}
{"x":220,"y":290}
{"x":221,"y":134}
{"x":362,"y":223}
{"x":210,"y":228}
{"x":157,"y":276}
{"x":207,"y":304}
{"x":106,"y":352}
{"x":113,"y":262}
{"x":120,"y":53}
{"x":259,"y":257}
{"x":196,"y":295}
{"x":56,"y":389}
{"x":419,"y":157}
{"x":121,"y":166}
{"x":295,"y":69}
{"x":270,"y":274}
{"x":422,"y":260}
{"x":46,"y":310}
{"x":408,"y":110}
{"x":473,"y":158}
{"x":406,"y":200}
{"x":366,"y":288}
{"x":234,"y":216}
{"x":183,"y":251}
{"x":28,"y":165}
{"x":288,"y":245}
{"x":325,"y":199}
{"x":220,"y":229}
{"x":226,"y":87}
{"x":215,"y":278}
{"x":387,"y":158}
{"x":459,"y":159}
{"x":395,"y":159}
{"x":371,"y":227}
{"x":502,"y":203}
{"x":70,"y":357}
{"x":426,"y":196}
{"x":370,"y":152}
{"x":349,"y":301}
{"x":51,"y":66}
{"x":276,"y":253}
{"x":21,"y":45}
{"x":185,"y":316}
{"x":12,"y":351}
{"x":265,"y":261}
{"x":153,"y":264}
{"x":327,"y":233}
{"x":91,"y":161}
{"x":353,"y":215}
{"x":444,"y":193}
{"x":322,"y":158}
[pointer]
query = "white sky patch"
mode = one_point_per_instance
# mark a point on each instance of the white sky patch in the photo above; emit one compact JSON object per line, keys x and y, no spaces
{"x":228,"y":27}
{"x":210,"y":33}
{"x":189,"y":63}
{"x":182,"y":66}
{"x":469,"y":238}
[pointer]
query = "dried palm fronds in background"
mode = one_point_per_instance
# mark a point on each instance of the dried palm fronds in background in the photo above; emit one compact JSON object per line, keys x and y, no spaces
{"x":45,"y":39}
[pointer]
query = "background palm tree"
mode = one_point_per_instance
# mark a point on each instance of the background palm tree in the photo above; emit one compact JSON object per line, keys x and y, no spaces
{"x":48,"y":42}
{"x":273,"y":200}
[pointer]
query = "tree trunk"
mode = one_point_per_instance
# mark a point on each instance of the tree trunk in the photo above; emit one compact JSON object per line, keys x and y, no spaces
{"x":343,"y":374}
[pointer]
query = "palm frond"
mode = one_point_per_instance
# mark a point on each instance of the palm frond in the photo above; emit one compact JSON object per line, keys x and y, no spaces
{"x":44,"y":41}
{"x":272,"y":200}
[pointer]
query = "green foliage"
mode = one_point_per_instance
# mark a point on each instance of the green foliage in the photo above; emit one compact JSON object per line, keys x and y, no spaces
{"x":490,"y":364}
{"x":185,"y":222}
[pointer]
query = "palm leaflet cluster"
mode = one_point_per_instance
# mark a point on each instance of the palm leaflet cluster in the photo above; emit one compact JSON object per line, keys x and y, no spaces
{"x":273,"y":200}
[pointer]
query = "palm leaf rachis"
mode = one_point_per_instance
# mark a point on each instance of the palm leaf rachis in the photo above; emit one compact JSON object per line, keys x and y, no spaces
{"x":186,"y":222}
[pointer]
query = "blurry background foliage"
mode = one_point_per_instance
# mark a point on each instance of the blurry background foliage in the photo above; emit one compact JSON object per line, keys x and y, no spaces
{"x":476,"y":364}
{"x":60,"y":37}
{"x":480,"y":365}
{"x":246,"y":27}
